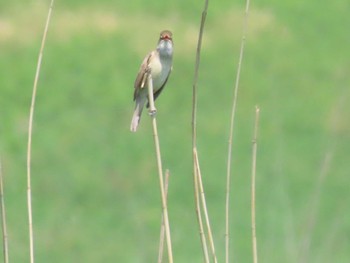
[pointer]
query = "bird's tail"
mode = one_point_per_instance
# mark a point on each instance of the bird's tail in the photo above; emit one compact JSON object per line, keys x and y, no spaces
{"x":136,"y":116}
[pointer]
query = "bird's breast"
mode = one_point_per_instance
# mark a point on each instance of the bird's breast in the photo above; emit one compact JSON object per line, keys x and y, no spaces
{"x":160,"y":71}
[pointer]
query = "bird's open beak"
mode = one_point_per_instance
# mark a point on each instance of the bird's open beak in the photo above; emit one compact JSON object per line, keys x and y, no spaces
{"x":167,"y":37}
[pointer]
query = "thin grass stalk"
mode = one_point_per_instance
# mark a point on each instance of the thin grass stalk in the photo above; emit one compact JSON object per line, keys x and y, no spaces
{"x":196,"y":73}
{"x":3,"y":219}
{"x":30,"y":130}
{"x":162,"y":228}
{"x":194,"y":133}
{"x":313,"y":211}
{"x":198,"y":207}
{"x":152,"y":110}
{"x":232,"y":121}
{"x":254,"y":151}
{"x":205,"y":210}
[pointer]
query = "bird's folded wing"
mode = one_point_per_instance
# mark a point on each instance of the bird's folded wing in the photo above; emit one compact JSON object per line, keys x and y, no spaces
{"x":140,"y":80}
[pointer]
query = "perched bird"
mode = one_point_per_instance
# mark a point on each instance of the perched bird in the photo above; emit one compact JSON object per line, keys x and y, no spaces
{"x":159,"y":62}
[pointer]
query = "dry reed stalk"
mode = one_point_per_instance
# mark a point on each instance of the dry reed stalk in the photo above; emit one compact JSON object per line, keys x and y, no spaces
{"x":162,"y":228}
{"x":152,"y":111}
{"x":196,"y":167}
{"x":199,"y":210}
{"x":195,"y":78}
{"x":30,"y":130}
{"x":3,"y":219}
{"x":232,"y":120}
{"x":254,"y":151}
{"x":205,"y":210}
{"x":314,"y":207}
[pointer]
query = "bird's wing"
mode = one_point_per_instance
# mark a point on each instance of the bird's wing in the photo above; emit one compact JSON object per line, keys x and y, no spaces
{"x":141,"y":80}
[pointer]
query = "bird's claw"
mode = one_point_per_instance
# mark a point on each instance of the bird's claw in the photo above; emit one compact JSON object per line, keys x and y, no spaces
{"x":152,"y":112}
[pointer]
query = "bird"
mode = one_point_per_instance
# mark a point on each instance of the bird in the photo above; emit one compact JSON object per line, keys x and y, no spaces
{"x":159,"y":63}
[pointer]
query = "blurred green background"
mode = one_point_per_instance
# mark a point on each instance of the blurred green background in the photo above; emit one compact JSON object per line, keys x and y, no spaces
{"x":95,"y":184}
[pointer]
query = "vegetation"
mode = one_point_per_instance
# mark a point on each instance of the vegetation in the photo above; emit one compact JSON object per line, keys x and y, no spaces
{"x":95,"y":184}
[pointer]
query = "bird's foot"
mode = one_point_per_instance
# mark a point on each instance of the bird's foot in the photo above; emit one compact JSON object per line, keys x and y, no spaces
{"x":152,"y":112}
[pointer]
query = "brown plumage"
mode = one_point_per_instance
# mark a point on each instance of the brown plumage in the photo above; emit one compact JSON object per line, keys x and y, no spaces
{"x":159,"y":62}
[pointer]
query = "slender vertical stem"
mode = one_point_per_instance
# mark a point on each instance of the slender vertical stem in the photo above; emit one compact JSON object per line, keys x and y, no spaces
{"x":159,"y":164}
{"x":205,"y":210}
{"x":313,"y":210}
{"x":196,"y":73}
{"x":232,"y":120}
{"x":194,"y":133}
{"x":3,"y":219}
{"x":198,"y":206}
{"x":162,"y":228}
{"x":254,"y":151}
{"x":30,"y":130}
